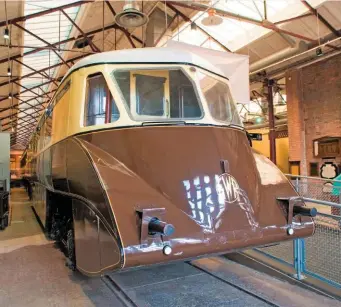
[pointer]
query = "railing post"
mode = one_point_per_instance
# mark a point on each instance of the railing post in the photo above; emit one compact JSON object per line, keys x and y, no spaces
{"x":299,"y":258}
{"x":303,"y":255}
{"x":296,"y":185}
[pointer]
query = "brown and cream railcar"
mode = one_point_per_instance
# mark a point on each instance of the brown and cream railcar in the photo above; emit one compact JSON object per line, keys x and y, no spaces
{"x":141,"y":158}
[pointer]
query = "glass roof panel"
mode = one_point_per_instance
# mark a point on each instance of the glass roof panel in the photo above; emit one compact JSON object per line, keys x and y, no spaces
{"x":50,"y":28}
{"x":235,"y":34}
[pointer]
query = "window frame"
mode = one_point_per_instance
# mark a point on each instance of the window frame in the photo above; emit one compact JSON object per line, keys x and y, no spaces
{"x":134,"y":95}
{"x":108,"y":104}
{"x":220,"y":80}
{"x":311,"y":166}
{"x":156,"y":68}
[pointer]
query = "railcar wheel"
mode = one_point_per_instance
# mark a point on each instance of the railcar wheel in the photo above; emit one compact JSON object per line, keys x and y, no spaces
{"x":70,"y":248}
{"x":56,"y":232}
{"x":2,"y":224}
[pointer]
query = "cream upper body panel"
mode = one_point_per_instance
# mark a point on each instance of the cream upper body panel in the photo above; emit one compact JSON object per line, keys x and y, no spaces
{"x":60,"y":117}
{"x":77,"y":103}
{"x":69,"y":109}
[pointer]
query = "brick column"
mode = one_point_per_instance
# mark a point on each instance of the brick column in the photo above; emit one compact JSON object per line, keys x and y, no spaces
{"x":295,"y":118}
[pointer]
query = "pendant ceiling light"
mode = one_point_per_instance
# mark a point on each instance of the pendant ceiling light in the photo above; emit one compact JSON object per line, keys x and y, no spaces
{"x":6,"y":33}
{"x":131,"y":16}
{"x":212,"y":19}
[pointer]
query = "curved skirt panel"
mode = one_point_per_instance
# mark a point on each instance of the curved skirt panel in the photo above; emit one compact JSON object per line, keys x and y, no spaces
{"x":96,"y":250}
{"x":97,"y":243}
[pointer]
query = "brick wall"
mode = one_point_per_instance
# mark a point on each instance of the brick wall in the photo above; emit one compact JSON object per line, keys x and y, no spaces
{"x":314,"y":108}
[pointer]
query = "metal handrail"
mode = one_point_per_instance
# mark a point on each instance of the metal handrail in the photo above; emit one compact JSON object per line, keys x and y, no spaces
{"x":309,"y":177}
{"x":321,"y":202}
{"x":308,"y":256}
{"x":336,"y":217}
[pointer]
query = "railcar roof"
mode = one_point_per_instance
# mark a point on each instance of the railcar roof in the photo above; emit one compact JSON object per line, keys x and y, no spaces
{"x":164,"y":55}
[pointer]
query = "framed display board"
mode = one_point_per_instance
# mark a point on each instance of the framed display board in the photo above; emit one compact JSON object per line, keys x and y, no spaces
{"x":327,"y":147}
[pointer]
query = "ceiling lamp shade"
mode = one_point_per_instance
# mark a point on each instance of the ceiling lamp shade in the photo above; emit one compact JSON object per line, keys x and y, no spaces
{"x":212,"y":19}
{"x":6,"y":33}
{"x":131,"y":16}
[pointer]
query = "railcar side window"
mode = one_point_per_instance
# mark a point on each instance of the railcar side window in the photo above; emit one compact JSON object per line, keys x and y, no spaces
{"x":100,"y":107}
{"x":219,"y":99}
{"x":158,"y":94}
{"x":48,"y":130}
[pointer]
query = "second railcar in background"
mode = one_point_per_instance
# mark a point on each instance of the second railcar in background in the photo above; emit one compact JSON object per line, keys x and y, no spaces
{"x":141,"y":158}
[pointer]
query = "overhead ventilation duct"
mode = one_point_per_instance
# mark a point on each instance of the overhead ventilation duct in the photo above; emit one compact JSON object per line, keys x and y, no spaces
{"x":131,"y":16}
{"x":278,"y":56}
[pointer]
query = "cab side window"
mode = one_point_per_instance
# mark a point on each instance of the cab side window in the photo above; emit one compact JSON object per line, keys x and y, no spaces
{"x":100,"y":107}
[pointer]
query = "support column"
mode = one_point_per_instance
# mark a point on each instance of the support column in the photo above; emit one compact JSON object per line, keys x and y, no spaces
{"x":272,"y":132}
{"x":296,"y":123}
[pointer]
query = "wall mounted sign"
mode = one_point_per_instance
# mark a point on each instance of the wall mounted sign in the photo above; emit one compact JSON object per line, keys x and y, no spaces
{"x":328,"y":170}
{"x":327,"y":147}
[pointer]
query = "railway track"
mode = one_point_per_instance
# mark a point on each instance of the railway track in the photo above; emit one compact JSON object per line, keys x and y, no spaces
{"x":125,"y":293}
{"x":132,"y":296}
{"x":118,"y":291}
{"x":244,"y":290}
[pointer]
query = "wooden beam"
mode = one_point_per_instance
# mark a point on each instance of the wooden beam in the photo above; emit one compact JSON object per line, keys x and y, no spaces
{"x":26,"y":89}
{"x":37,"y":49}
{"x":187,"y":19}
{"x":24,"y":130}
{"x":125,"y":31}
{"x":265,"y":10}
{"x":293,"y":18}
{"x":19,"y":93}
{"x":41,"y":70}
{"x":19,"y":104}
{"x":166,"y":29}
{"x":45,"y":12}
{"x":92,"y":45}
{"x":23,"y":118}
{"x":44,"y":41}
{"x":44,"y":75}
{"x":261,"y":23}
{"x":54,"y":45}
{"x":19,"y":126}
{"x":321,"y":19}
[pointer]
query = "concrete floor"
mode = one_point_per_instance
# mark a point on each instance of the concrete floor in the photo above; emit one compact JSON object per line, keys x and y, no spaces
{"x":24,"y":229}
{"x":32,"y":273}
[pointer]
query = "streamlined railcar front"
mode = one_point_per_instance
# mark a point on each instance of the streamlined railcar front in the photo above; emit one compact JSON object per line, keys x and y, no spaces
{"x":178,"y":180}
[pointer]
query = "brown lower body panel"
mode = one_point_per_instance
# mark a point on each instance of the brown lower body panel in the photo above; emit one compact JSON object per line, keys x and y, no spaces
{"x":219,"y":195}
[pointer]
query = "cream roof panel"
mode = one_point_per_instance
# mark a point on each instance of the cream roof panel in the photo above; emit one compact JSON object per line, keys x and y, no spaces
{"x":148,"y":55}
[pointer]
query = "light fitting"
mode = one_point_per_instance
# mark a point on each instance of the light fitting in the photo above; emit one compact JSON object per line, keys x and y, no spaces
{"x":212,"y":19}
{"x":131,"y":16}
{"x":6,"y":33}
{"x":193,"y":26}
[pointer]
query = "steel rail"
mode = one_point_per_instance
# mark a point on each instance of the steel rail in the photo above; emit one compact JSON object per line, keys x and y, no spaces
{"x":118,"y":291}
{"x":242,"y":289}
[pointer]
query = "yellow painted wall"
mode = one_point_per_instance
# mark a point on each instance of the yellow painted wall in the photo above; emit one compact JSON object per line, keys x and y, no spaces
{"x":282,"y":148}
